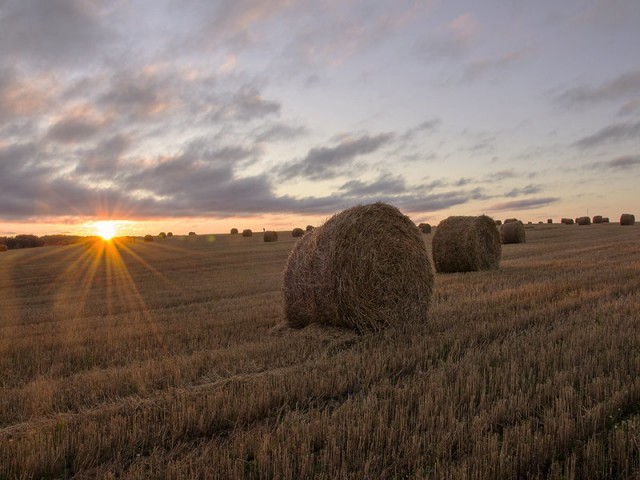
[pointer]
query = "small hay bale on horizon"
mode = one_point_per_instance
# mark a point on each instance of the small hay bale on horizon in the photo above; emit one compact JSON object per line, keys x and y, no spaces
{"x":424,"y":228}
{"x":270,"y":236}
{"x":567,"y":221}
{"x":365,"y":268}
{"x":583,"y":221}
{"x":297,"y":232}
{"x":605,"y":219}
{"x":597,"y":219}
{"x":192,"y":233}
{"x":148,"y":238}
{"x":247,"y":232}
{"x":310,"y":227}
{"x":234,"y":231}
{"x":498,"y":222}
{"x":627,"y":219}
{"x":549,"y":220}
{"x":169,"y":234}
{"x":510,"y":220}
{"x":3,"y":247}
{"x":466,"y":244}
{"x":513,"y":232}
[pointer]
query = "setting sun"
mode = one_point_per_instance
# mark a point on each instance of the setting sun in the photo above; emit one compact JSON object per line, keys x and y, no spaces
{"x":106,"y":229}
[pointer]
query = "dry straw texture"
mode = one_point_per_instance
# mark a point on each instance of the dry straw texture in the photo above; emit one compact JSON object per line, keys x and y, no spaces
{"x":247,"y":232}
{"x":365,"y":268}
{"x":234,"y":231}
{"x":509,"y":220}
{"x":3,"y":248}
{"x":425,"y":228}
{"x":297,"y":232}
{"x":583,"y":221}
{"x":513,"y":232}
{"x":270,"y":236}
{"x":627,"y":219}
{"x":465,"y":244}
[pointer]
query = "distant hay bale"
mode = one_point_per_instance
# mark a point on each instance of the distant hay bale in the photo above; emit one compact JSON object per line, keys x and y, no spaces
{"x":529,"y":223}
{"x":366,"y":268}
{"x":310,"y":227}
{"x":513,"y":232}
{"x":567,"y":221}
{"x":627,"y":219}
{"x":605,"y":219}
{"x":297,"y":232}
{"x":549,"y":220}
{"x":247,"y":232}
{"x":162,"y":235}
{"x":583,"y":221}
{"x":270,"y":236}
{"x":3,"y":248}
{"x":234,"y":231}
{"x":597,"y":219}
{"x":465,"y":244}
{"x":424,"y":228}
{"x":169,"y":234}
{"x":148,"y":238}
{"x":192,"y":233}
{"x":498,"y":222}
{"x":540,"y":222}
{"x":510,"y":220}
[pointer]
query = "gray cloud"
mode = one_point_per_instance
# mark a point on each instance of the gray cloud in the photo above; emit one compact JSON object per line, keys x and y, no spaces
{"x":279,"y":132}
{"x":626,"y":162}
{"x":72,"y":130}
{"x":104,"y":159}
{"x":613,"y":133}
{"x":525,"y":204}
{"x":322,"y":163}
{"x":629,"y":108}
{"x":527,"y":190}
{"x":386,"y":184}
{"x":620,"y":88}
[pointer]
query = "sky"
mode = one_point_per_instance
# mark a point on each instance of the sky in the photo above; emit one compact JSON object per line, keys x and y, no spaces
{"x":203,"y":115}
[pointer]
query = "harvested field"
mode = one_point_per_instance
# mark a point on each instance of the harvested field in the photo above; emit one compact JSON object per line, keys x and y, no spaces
{"x":161,"y":360}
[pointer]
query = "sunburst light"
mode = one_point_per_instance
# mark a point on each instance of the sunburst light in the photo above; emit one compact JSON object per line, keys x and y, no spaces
{"x":106,"y":229}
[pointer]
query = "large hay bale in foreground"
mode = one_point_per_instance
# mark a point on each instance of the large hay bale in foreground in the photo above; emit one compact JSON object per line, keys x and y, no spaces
{"x":365,"y":268}
{"x":627,"y":219}
{"x":247,"y":232}
{"x":583,"y":221}
{"x":270,"y":236}
{"x":297,"y":232}
{"x":466,"y":244}
{"x":234,"y":231}
{"x":3,"y":248}
{"x":513,"y":232}
{"x":424,"y":228}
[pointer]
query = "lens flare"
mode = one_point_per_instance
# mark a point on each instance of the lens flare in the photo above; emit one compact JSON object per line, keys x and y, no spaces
{"x":106,"y":229}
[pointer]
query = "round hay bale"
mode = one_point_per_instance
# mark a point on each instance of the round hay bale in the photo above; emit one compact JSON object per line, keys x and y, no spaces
{"x":162,"y":235}
{"x":424,"y":228}
{"x":297,"y":232}
{"x":627,"y":219}
{"x":148,"y":238}
{"x":310,"y":227}
{"x":605,"y":219}
{"x":365,"y":268}
{"x":549,"y":220}
{"x":247,"y":232}
{"x":192,"y":233}
{"x":510,"y":220}
{"x":270,"y":236}
{"x":169,"y":234}
{"x":234,"y":231}
{"x":597,"y":219}
{"x":465,"y":244}
{"x":513,"y":232}
{"x":3,"y":248}
{"x":540,"y":222}
{"x":583,"y":221}
{"x":498,"y":222}
{"x":567,"y":221}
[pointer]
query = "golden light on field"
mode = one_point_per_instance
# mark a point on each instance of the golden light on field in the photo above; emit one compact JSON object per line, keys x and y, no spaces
{"x":106,"y":229}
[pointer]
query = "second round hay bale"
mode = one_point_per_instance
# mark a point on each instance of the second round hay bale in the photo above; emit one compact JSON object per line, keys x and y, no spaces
{"x":366,"y":268}
{"x":270,"y":236}
{"x":247,"y":232}
{"x":297,"y":232}
{"x":513,"y":232}
{"x":234,"y":231}
{"x":466,"y":244}
{"x":627,"y":219}
{"x":583,"y":221}
{"x":425,"y":228}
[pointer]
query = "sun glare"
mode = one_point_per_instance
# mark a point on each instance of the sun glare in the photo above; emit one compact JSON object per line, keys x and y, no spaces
{"x":106,"y":229}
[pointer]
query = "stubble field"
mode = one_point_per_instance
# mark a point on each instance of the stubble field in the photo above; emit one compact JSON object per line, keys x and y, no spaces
{"x":161,"y":360}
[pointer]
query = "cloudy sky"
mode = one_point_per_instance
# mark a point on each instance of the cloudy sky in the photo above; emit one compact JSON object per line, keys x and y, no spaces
{"x":210,"y":114}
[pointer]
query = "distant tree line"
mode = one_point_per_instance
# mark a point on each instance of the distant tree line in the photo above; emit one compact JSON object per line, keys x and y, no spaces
{"x":31,"y":241}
